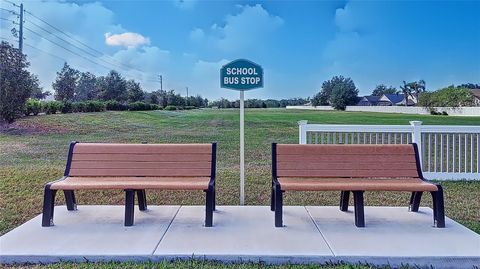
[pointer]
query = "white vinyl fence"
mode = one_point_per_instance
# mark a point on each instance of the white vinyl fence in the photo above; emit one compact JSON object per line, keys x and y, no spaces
{"x":446,"y":152}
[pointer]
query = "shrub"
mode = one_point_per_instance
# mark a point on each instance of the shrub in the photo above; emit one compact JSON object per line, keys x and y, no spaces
{"x":33,"y":106}
{"x":189,"y":107}
{"x":94,"y":106}
{"x":170,"y":108}
{"x":79,"y":107}
{"x":138,"y":106}
{"x":155,"y":107}
{"x":52,"y":107}
{"x":445,"y":113}
{"x":67,"y":107}
{"x":114,"y":105}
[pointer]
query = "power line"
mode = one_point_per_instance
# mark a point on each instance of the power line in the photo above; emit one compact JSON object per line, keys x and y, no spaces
{"x":87,"y":52}
{"x":30,"y":30}
{"x":80,"y":42}
{"x":9,"y":10}
{"x":11,"y":3}
{"x":73,"y":52}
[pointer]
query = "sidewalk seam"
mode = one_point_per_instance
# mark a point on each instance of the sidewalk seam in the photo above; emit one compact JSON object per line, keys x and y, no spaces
{"x":318,"y":228}
{"x":166,"y":231}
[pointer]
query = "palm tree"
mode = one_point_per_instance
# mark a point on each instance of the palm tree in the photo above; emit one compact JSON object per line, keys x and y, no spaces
{"x":413,"y":89}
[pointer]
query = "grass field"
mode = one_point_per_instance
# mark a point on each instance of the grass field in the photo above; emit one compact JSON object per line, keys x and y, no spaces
{"x":34,"y":152}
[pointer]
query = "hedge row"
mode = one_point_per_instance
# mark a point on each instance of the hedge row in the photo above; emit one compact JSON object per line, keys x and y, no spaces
{"x":34,"y":107}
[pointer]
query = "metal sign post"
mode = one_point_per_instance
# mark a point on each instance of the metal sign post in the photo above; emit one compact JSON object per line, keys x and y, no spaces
{"x":241,"y":75}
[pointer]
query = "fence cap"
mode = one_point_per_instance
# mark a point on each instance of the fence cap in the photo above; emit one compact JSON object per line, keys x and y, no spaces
{"x":302,"y":122}
{"x":416,"y":122}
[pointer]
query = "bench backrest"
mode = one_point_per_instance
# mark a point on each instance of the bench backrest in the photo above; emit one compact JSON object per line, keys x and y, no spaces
{"x":152,"y":160}
{"x":346,"y":161}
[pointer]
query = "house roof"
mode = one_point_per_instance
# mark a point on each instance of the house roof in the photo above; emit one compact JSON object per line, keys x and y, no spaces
{"x":476,"y":93}
{"x":394,"y":98}
{"x":372,"y":98}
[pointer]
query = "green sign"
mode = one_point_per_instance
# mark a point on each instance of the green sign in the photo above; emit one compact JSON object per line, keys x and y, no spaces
{"x":241,"y":75}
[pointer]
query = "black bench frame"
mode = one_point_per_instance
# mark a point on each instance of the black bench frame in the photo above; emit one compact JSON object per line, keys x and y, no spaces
{"x":276,"y":200}
{"x":71,"y":202}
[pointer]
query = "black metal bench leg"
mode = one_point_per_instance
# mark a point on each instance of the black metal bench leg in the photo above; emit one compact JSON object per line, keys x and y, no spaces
{"x":70,"y":200}
{"x":209,"y":207}
{"x":129,"y":207}
{"x":142,"y":200}
{"x":214,"y":199}
{"x":359,"y":208}
{"x":48,"y":207}
{"x":415,"y":199}
{"x":438,"y":208}
{"x":344,"y":199}
{"x":278,"y":206}
{"x":272,"y":199}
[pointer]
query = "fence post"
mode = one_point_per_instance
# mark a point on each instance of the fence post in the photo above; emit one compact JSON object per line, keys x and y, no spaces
{"x":417,"y":138}
{"x":302,"y":132}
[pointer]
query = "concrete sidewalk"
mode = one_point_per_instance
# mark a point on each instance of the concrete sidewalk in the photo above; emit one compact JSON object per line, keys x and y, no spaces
{"x":312,"y":234}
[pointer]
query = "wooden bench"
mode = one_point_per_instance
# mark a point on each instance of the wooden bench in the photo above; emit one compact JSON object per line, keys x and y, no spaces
{"x":351,"y":168}
{"x":135,"y":168}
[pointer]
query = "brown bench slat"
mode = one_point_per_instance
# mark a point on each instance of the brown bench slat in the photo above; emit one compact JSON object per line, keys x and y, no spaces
{"x":346,"y":166}
{"x":288,"y":149}
{"x":343,"y":184}
{"x":186,"y":149}
{"x":361,"y":158}
{"x":139,"y":165}
{"x":383,"y":173}
{"x":164,"y":183}
{"x":143,"y":157}
{"x":174,"y":172}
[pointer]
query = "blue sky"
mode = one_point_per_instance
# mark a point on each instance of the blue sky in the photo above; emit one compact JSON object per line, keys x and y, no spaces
{"x":299,"y":44}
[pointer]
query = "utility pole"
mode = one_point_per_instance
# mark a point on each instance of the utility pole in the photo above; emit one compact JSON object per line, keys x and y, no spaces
{"x":160,"y":79}
{"x":186,"y":99}
{"x":20,"y":36}
{"x":187,"y":92}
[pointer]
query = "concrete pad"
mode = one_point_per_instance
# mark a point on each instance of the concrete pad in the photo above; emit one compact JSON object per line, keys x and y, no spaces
{"x":91,"y":230}
{"x":394,"y":232}
{"x":243,"y":231}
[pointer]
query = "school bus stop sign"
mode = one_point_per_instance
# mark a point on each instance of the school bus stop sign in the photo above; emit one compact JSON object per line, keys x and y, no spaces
{"x":241,"y":75}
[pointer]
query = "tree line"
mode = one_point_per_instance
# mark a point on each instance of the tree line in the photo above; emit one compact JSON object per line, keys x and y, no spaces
{"x":340,"y":92}
{"x":258,"y":103}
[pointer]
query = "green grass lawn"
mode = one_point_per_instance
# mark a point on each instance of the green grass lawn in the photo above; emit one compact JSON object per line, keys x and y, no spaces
{"x":34,"y":152}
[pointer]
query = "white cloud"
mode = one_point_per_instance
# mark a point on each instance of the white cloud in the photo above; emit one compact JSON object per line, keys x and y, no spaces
{"x":127,"y":39}
{"x":251,"y":26}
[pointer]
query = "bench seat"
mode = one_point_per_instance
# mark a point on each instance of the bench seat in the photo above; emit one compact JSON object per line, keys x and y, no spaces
{"x":355,"y":184}
{"x":135,"y":183}
{"x":352,"y":169}
{"x":134,"y":168}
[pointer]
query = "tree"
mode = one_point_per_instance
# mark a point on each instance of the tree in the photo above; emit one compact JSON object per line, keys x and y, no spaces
{"x":344,"y":95}
{"x":413,"y":89}
{"x":113,"y":87}
{"x":447,"y":97}
{"x":339,"y":92}
{"x":86,"y":87}
{"x":65,"y":83}
{"x":469,"y":86}
{"x":135,"y":92}
{"x":153,"y":98}
{"x":38,"y":93}
{"x":16,"y":82}
{"x":383,"y":89}
{"x":323,"y":98}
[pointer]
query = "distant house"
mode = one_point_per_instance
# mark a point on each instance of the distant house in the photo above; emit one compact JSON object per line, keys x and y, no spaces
{"x":368,"y":100}
{"x":476,"y":97}
{"x":395,"y":100}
